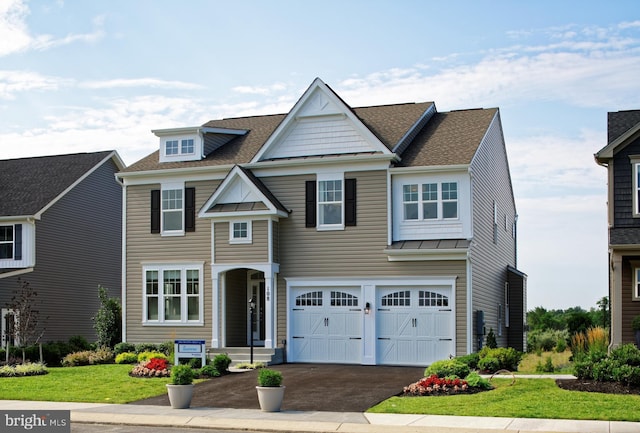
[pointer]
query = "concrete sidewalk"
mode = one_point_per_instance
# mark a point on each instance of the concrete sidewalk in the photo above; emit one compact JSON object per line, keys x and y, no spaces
{"x":308,"y":421}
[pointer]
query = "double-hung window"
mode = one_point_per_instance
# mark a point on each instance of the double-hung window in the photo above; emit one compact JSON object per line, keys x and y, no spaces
{"x":186,"y":146}
{"x":430,"y":201}
{"x":172,"y":210}
{"x":173,"y":294}
{"x":6,"y":242}
{"x":330,"y":202}
{"x":171,"y":147}
{"x":636,"y":281}
{"x":635,"y":164}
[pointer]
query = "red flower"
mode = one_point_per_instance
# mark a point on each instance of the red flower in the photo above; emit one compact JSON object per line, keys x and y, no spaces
{"x":157,"y":364}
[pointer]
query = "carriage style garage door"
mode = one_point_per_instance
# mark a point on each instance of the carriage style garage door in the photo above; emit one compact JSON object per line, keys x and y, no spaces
{"x":414,"y":326}
{"x":326,"y":325}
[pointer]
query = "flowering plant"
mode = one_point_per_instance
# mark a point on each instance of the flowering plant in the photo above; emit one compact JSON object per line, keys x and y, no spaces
{"x":155,"y":367}
{"x":434,"y":385}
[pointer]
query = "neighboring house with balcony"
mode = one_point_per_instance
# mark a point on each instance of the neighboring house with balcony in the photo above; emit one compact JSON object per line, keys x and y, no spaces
{"x":372,"y":235}
{"x":60,"y":231}
{"x":621,"y":157}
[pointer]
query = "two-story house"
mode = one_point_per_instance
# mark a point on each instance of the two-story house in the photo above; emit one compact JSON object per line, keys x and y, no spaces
{"x":372,"y":235}
{"x":61,"y":232}
{"x":621,"y":157}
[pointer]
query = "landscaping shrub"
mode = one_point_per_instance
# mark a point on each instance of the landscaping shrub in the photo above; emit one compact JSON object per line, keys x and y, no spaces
{"x":476,"y":381}
{"x":209,"y":371}
{"x":182,"y":375}
{"x":195,"y":363}
{"x":126,"y":358}
{"x":146,"y":347}
{"x":27,"y":369}
{"x":267,"y":377}
{"x":447,"y":368}
{"x":471,"y":360}
{"x":145,"y":356}
{"x":508,"y":359}
{"x":221,"y":362}
{"x":108,"y":320}
{"x":124,"y":347}
{"x":78,"y":343}
{"x":434,"y":385}
{"x":489,"y":364}
{"x":491,"y":339}
{"x":88,"y":357}
{"x":622,"y":365}
{"x":547,"y":367}
{"x":167,"y":348}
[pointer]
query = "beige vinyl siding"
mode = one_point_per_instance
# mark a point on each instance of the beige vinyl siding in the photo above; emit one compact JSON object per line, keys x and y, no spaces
{"x":255,"y":252}
{"x":355,"y":251}
{"x":143,"y":246}
{"x":491,"y":182}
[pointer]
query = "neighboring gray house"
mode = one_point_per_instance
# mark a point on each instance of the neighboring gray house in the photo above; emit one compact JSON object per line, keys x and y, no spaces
{"x":60,"y":231}
{"x":621,"y":157}
{"x":372,"y":235}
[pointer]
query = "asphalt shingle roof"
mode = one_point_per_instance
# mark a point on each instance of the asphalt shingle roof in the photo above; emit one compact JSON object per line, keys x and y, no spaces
{"x":448,"y":138}
{"x":28,"y":184}
{"x":619,"y":122}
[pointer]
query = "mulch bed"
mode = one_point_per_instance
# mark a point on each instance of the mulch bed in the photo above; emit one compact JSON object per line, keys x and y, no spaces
{"x":595,"y":386}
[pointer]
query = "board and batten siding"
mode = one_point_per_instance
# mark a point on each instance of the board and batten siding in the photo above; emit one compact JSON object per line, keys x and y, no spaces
{"x":491,"y":183}
{"x":78,"y":248}
{"x":352,"y":252}
{"x":145,"y":247}
{"x":255,"y":252}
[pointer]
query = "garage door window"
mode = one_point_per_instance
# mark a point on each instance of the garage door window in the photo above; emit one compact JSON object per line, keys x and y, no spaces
{"x":342,"y":299}
{"x":309,"y":299}
{"x":397,"y":299}
{"x":432,"y":299}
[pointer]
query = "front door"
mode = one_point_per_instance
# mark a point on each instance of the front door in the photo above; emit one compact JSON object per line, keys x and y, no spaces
{"x":8,"y":327}
{"x":255,"y":292}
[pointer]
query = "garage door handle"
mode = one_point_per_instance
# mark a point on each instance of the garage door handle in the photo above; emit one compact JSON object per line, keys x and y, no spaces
{"x":381,"y":338}
{"x":384,"y":309}
{"x":298,"y":309}
{"x":355,"y":309}
{"x":445,"y":339}
{"x":445,"y":309}
{"x":355,"y":338}
{"x":297,"y":337}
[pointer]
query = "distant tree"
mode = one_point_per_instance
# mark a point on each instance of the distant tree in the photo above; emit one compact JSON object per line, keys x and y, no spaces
{"x":541,"y":319}
{"x":27,"y":330}
{"x":108,"y":320}
{"x":602,"y":315}
{"x":578,"y":320}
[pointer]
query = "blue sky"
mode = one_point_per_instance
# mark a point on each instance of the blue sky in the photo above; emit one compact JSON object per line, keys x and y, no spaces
{"x":80,"y":76}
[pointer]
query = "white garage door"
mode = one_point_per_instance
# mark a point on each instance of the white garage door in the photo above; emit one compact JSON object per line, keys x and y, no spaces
{"x":415,"y":326}
{"x":326,"y":325}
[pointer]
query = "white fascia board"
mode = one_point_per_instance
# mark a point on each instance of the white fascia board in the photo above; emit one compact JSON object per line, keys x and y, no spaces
{"x":197,"y":130}
{"x":17,"y":219}
{"x":607,"y":151}
{"x":294,"y":166}
{"x":439,"y":280}
{"x":426,"y":255}
{"x":252,"y":215}
{"x":459,"y":168}
{"x":216,"y":172}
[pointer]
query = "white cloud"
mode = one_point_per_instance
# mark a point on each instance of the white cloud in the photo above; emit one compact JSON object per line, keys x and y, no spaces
{"x":15,"y":36}
{"x":12,"y":82}
{"x":140,"y":82}
{"x":260,"y":90}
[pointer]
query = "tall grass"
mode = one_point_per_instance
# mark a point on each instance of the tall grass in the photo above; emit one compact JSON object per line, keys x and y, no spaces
{"x":594,"y":339}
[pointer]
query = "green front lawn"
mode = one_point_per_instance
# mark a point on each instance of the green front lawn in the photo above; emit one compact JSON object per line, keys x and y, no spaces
{"x":109,"y":383}
{"x":527,"y":398}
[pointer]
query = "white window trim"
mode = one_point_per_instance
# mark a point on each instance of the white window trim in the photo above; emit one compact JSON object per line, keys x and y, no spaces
{"x":635,"y":295}
{"x":12,"y":242}
{"x":323,"y":177}
{"x":181,"y":147}
{"x":183,"y":268}
{"x":440,"y":201}
{"x":169,"y":187}
{"x":635,"y":169}
{"x":246,"y":240}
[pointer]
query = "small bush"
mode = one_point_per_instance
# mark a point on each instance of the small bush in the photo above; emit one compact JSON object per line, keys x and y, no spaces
{"x":491,"y":339}
{"x":249,"y":366}
{"x":508,"y":358}
{"x":267,"y":377}
{"x":471,"y":360}
{"x":561,"y":346}
{"x":167,"y":348}
{"x":78,"y":343}
{"x":447,"y":368}
{"x":195,"y":363}
{"x":221,"y":362}
{"x":182,"y":375}
{"x":155,"y":367}
{"x":476,"y":381}
{"x":124,"y":347}
{"x":126,"y":358}
{"x":489,"y":364}
{"x":209,"y":371}
{"x":547,"y":367}
{"x":21,"y":370}
{"x":104,"y":355}
{"x":76,"y":359}
{"x":146,"y":347}
{"x":145,"y":356}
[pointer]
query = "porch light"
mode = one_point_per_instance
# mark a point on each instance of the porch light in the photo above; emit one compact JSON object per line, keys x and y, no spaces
{"x":367,"y":308}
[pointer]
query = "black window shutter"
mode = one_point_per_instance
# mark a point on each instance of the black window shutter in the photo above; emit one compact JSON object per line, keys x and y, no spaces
{"x":349,"y":202}
{"x":189,"y":209}
{"x":155,"y":211}
{"x":310,"y":203}
{"x":17,"y":239}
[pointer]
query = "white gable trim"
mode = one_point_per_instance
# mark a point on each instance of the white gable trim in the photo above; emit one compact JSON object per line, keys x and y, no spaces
{"x":310,"y":106}
{"x":239,"y":185}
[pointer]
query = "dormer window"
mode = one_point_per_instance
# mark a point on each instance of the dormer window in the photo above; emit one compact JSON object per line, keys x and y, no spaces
{"x":171,"y":147}
{"x":186,"y":146}
{"x":192,"y":143}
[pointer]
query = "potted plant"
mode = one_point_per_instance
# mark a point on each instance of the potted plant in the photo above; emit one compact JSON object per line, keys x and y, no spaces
{"x":635,"y":325}
{"x":270,"y":390}
{"x":180,"y":389}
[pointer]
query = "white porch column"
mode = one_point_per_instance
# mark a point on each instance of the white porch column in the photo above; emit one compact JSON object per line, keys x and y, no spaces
{"x":215,"y":309}
{"x":269,"y":310}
